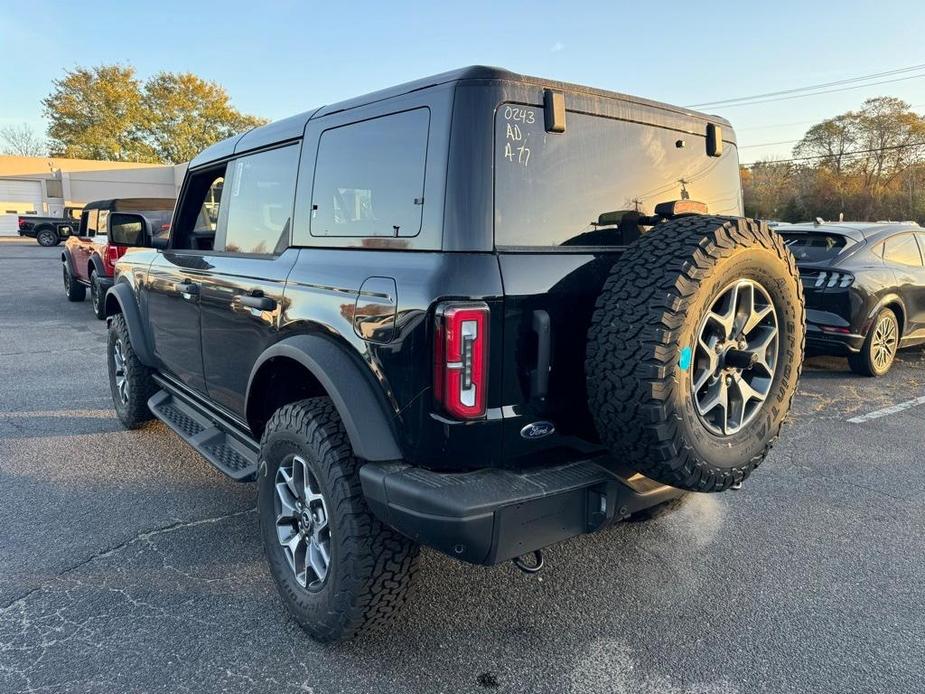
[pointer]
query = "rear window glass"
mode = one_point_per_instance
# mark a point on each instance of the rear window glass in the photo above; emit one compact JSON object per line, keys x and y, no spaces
{"x":369,"y":177}
{"x":574,"y":188}
{"x":815,"y":247}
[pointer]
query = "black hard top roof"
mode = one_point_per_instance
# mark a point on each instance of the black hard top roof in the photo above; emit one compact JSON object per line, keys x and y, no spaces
{"x":291,"y":128}
{"x":132,"y":204}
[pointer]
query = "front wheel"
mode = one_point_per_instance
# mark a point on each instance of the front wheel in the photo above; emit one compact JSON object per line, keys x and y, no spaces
{"x":47,"y":238}
{"x":338,"y":569}
{"x":879,"y":350}
{"x":129,"y":380}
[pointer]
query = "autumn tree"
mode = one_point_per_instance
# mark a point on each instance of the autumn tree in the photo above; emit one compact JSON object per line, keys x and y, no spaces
{"x":864,"y":165}
{"x":21,"y":141}
{"x":861,"y":155}
{"x":106,"y":112}
{"x":97,"y":113}
{"x":188,"y":114}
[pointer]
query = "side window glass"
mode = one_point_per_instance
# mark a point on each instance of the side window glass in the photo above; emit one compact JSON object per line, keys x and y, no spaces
{"x":92,"y":221}
{"x":903,"y":250}
{"x":258,"y":202}
{"x":198,"y":213}
{"x":369,"y":177}
{"x":102,"y":225}
{"x":920,"y":237}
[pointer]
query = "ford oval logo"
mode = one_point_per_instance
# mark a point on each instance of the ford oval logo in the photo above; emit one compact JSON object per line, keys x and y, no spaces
{"x":537,"y":430}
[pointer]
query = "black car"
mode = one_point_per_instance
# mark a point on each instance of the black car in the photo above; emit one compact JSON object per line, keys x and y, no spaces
{"x":482,"y":312}
{"x":864,"y":285}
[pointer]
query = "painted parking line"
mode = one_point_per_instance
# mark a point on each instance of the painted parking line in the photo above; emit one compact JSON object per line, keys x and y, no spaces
{"x":893,"y":409}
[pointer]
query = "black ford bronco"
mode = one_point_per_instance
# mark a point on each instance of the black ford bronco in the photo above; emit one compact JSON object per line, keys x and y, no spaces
{"x":481,"y":312}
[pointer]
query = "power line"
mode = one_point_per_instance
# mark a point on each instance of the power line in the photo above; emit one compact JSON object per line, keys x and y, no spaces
{"x":838,"y":154}
{"x":826,"y":91}
{"x":789,"y":142}
{"x":813,"y":87}
{"x":768,"y":144}
{"x":799,"y":122}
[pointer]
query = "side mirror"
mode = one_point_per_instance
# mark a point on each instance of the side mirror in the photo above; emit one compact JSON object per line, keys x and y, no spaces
{"x":126,"y":229}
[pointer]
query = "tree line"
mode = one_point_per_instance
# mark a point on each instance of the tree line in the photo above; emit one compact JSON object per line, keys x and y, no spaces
{"x":864,"y":165}
{"x":107,"y":112}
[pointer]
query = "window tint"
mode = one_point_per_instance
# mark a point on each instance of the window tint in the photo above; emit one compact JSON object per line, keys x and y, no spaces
{"x":814,"y":247}
{"x":369,"y":177}
{"x":582,"y":187}
{"x":259,"y":199}
{"x":903,"y":250}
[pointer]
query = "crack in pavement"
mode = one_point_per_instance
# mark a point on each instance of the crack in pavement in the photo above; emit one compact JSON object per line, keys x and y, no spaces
{"x":143,"y":536}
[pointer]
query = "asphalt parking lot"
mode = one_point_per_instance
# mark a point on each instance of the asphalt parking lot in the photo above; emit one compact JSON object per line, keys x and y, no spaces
{"x":128,"y":564}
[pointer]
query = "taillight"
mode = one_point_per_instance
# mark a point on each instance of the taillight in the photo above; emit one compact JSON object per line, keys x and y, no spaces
{"x":110,"y":258}
{"x":827,"y":280}
{"x":461,"y":358}
{"x":21,"y":222}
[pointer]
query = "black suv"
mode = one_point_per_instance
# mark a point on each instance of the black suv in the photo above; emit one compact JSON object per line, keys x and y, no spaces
{"x":482,"y":312}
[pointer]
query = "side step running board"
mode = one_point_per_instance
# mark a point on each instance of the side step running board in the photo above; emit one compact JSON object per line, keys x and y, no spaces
{"x":231,"y":454}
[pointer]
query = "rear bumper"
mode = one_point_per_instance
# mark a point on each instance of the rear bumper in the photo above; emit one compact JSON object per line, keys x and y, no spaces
{"x":491,"y":515}
{"x":824,"y":342}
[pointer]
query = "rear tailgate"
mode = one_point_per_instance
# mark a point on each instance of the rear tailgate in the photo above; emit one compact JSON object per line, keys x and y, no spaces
{"x":561,"y":222}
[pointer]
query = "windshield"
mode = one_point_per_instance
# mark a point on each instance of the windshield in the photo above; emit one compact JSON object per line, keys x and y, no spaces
{"x":815,"y":247}
{"x":583,"y":187}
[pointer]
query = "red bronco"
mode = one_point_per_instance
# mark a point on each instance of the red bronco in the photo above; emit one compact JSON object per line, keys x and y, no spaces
{"x":107,"y":229}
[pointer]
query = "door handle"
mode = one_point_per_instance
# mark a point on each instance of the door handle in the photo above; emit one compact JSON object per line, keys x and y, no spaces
{"x":188,"y":290}
{"x":254,"y":300}
{"x":539,"y":379}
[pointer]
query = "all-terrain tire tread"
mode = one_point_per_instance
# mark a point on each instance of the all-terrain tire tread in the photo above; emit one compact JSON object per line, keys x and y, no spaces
{"x":633,"y":345}
{"x":141,"y":385}
{"x":383,"y":562}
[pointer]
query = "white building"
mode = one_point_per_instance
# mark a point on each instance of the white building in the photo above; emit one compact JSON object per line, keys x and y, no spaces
{"x":46,"y":185}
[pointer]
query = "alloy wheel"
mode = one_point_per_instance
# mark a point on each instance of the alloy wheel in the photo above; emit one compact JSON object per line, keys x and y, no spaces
{"x":95,"y":294}
{"x":885,"y":341}
{"x":735,"y":357}
{"x":302,"y":523}
{"x":118,"y":359}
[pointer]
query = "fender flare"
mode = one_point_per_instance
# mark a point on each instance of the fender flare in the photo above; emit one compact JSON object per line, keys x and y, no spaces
{"x":889,"y":298}
{"x":121,"y":299}
{"x":360,"y":406}
{"x":97,"y":264}
{"x":68,"y":260}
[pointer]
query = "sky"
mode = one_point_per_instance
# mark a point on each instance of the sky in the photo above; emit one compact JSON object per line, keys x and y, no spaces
{"x":280,"y":57}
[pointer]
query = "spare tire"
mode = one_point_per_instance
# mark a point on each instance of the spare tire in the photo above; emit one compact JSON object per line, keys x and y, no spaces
{"x":695,"y":349}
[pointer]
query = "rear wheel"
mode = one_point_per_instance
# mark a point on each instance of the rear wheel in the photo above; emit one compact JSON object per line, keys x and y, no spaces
{"x":73,"y":290}
{"x":338,"y":569}
{"x":96,"y":297}
{"x":695,"y":349}
{"x":47,"y":237}
{"x":879,"y":350}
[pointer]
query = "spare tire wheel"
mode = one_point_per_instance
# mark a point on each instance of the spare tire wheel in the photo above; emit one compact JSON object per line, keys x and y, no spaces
{"x":695,"y":349}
